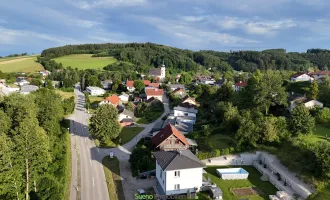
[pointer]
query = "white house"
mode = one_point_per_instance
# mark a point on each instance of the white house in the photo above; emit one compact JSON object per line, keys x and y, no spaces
{"x":130,"y":86}
{"x":124,"y":98}
{"x":183,"y":111}
{"x":319,"y":74}
{"x":239,"y":85}
{"x":308,"y":103}
{"x":154,"y":92}
{"x":27,"y":89}
{"x":301,"y":76}
{"x":95,"y":91}
{"x":178,"y":172}
{"x":158,"y":73}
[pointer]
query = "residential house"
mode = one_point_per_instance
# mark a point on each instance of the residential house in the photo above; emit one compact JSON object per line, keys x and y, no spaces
{"x":154,"y":85}
{"x":239,"y":85}
{"x":6,"y":90}
{"x":27,"y":89}
{"x":205,"y":80}
{"x":185,"y":112}
{"x":181,"y":124}
{"x":179,"y":92}
{"x":44,"y":73}
{"x":126,"y":117}
{"x":124,"y":98}
{"x":176,"y":86}
{"x":130,"y":86}
{"x":158,"y":73}
{"x":178,"y":172}
{"x":106,"y":84}
{"x":307,"y":102}
{"x":146,"y":83}
{"x":169,"y":139}
{"x":95,"y":91}
{"x":191,"y":102}
{"x":151,"y":101}
{"x":113,"y":100}
{"x":22,"y":81}
{"x":301,"y":76}
{"x":21,"y":78}
{"x":156,"y":93}
{"x":319,"y":74}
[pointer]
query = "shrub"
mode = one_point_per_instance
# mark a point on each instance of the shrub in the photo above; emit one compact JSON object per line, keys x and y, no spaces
{"x":64,"y":89}
{"x":206,"y":155}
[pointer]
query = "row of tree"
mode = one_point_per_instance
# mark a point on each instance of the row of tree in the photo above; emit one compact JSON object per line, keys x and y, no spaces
{"x":33,"y":146}
{"x":149,"y":54}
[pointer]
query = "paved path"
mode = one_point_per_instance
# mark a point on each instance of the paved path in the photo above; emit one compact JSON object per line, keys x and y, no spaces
{"x":86,"y":155}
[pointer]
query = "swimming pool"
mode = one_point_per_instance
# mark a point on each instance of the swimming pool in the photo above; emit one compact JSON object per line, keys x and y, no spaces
{"x":232,"y":173}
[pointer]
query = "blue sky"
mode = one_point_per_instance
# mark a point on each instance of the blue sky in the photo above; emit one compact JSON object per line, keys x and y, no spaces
{"x":224,"y":25}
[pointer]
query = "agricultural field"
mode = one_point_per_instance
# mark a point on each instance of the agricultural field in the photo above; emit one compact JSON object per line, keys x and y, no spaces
{"x":20,"y":64}
{"x":85,"y":61}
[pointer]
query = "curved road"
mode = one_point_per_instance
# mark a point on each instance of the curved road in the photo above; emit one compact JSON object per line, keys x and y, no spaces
{"x":88,"y":179}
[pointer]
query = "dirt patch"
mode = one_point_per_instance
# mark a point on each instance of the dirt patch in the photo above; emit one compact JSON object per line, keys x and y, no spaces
{"x":245,"y":191}
{"x":15,"y":60}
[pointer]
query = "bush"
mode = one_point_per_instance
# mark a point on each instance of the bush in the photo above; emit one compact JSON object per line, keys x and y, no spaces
{"x":323,"y":116}
{"x":68,"y":105}
{"x":206,"y":155}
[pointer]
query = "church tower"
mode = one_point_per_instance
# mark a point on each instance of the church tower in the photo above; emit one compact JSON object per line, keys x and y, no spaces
{"x":162,"y":71}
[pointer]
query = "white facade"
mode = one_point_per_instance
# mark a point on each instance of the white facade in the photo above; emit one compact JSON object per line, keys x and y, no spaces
{"x":122,"y":116}
{"x":131,"y":89}
{"x":124,"y":98}
{"x":303,"y":77}
{"x":178,"y":112}
{"x":310,"y":104}
{"x":186,"y":179}
{"x":162,"y":72}
{"x":159,"y":97}
{"x":95,"y":91}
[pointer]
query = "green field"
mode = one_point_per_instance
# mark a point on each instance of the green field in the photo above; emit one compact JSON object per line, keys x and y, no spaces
{"x":20,"y":64}
{"x":85,"y":61}
{"x":265,"y":188}
{"x":128,"y":133}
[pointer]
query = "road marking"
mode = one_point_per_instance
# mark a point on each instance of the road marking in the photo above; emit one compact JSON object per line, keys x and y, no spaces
{"x":93,"y":181}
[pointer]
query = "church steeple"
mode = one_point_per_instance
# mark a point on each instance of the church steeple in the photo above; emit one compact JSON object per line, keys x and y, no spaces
{"x":163,"y":65}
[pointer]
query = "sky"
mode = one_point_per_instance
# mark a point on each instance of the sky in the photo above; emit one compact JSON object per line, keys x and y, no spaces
{"x":222,"y":25}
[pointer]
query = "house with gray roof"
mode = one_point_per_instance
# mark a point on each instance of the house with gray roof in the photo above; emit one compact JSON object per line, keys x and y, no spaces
{"x":178,"y":172}
{"x":180,"y":111}
{"x":27,"y":89}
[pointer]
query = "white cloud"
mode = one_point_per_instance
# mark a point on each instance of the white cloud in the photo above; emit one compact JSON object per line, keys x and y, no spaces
{"x":86,"y":5}
{"x":192,"y":36}
{"x":15,"y":37}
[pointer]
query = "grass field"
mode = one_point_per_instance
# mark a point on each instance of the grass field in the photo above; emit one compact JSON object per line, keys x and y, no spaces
{"x":322,"y":130}
{"x":85,"y":61}
{"x":113,"y":179}
{"x":266,"y":188}
{"x":65,"y":95}
{"x":20,"y":64}
{"x":218,"y":141}
{"x":128,"y":133}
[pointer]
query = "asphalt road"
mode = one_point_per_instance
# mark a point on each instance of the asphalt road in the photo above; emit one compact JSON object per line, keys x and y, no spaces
{"x":88,"y":179}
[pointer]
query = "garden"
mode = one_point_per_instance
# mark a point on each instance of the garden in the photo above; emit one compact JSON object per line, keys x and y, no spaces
{"x":253,"y":187}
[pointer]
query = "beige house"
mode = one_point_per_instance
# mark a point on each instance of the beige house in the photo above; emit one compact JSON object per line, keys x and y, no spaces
{"x":308,"y":103}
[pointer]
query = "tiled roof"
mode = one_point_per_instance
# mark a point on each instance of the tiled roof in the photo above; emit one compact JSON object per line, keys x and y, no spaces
{"x":156,"y":85}
{"x":178,"y":90}
{"x":154,"y":92}
{"x":114,"y":99}
{"x":173,"y":160}
{"x":129,"y":83}
{"x":297,"y":74}
{"x":320,"y":73}
{"x":241,"y":84}
{"x":155,"y":72}
{"x":146,"y":82}
{"x":166,"y":132}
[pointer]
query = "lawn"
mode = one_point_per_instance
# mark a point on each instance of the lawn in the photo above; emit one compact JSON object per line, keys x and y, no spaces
{"x":266,"y":188}
{"x":85,"y":61}
{"x":65,"y":95}
{"x":23,"y":64}
{"x":149,"y":116}
{"x":128,"y":133}
{"x":322,"y":130}
{"x":95,"y":100}
{"x":113,"y":179}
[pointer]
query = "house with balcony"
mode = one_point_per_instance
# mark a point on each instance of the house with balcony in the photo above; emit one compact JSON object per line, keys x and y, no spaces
{"x":178,"y":173}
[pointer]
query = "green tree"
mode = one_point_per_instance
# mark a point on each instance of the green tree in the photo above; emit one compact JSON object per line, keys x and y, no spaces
{"x":139,"y":85}
{"x":104,"y":124}
{"x":247,"y":135}
{"x":323,"y":116}
{"x":93,"y":80}
{"x":49,"y":85}
{"x":301,"y":120}
{"x":106,"y":94}
{"x":314,"y":91}
{"x":130,"y":106}
{"x":185,"y":78}
{"x":324,"y":91}
{"x":36,"y":82}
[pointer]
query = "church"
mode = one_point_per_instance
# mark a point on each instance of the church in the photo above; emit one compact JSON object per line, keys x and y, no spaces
{"x":158,"y":73}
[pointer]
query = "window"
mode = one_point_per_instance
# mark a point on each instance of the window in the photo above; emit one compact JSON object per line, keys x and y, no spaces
{"x":176,"y":173}
{"x":185,"y":114}
{"x":177,"y":187}
{"x":161,"y":174}
{"x":177,"y":141}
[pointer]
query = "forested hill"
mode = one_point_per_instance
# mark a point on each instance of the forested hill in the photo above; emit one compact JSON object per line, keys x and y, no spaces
{"x":154,"y":54}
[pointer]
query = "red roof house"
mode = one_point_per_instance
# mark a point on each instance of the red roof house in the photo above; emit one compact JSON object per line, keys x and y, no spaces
{"x":154,"y":92}
{"x":113,"y":100}
{"x":169,"y":139}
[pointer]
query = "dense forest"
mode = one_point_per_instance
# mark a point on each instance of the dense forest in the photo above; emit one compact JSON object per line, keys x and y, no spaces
{"x":150,"y":54}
